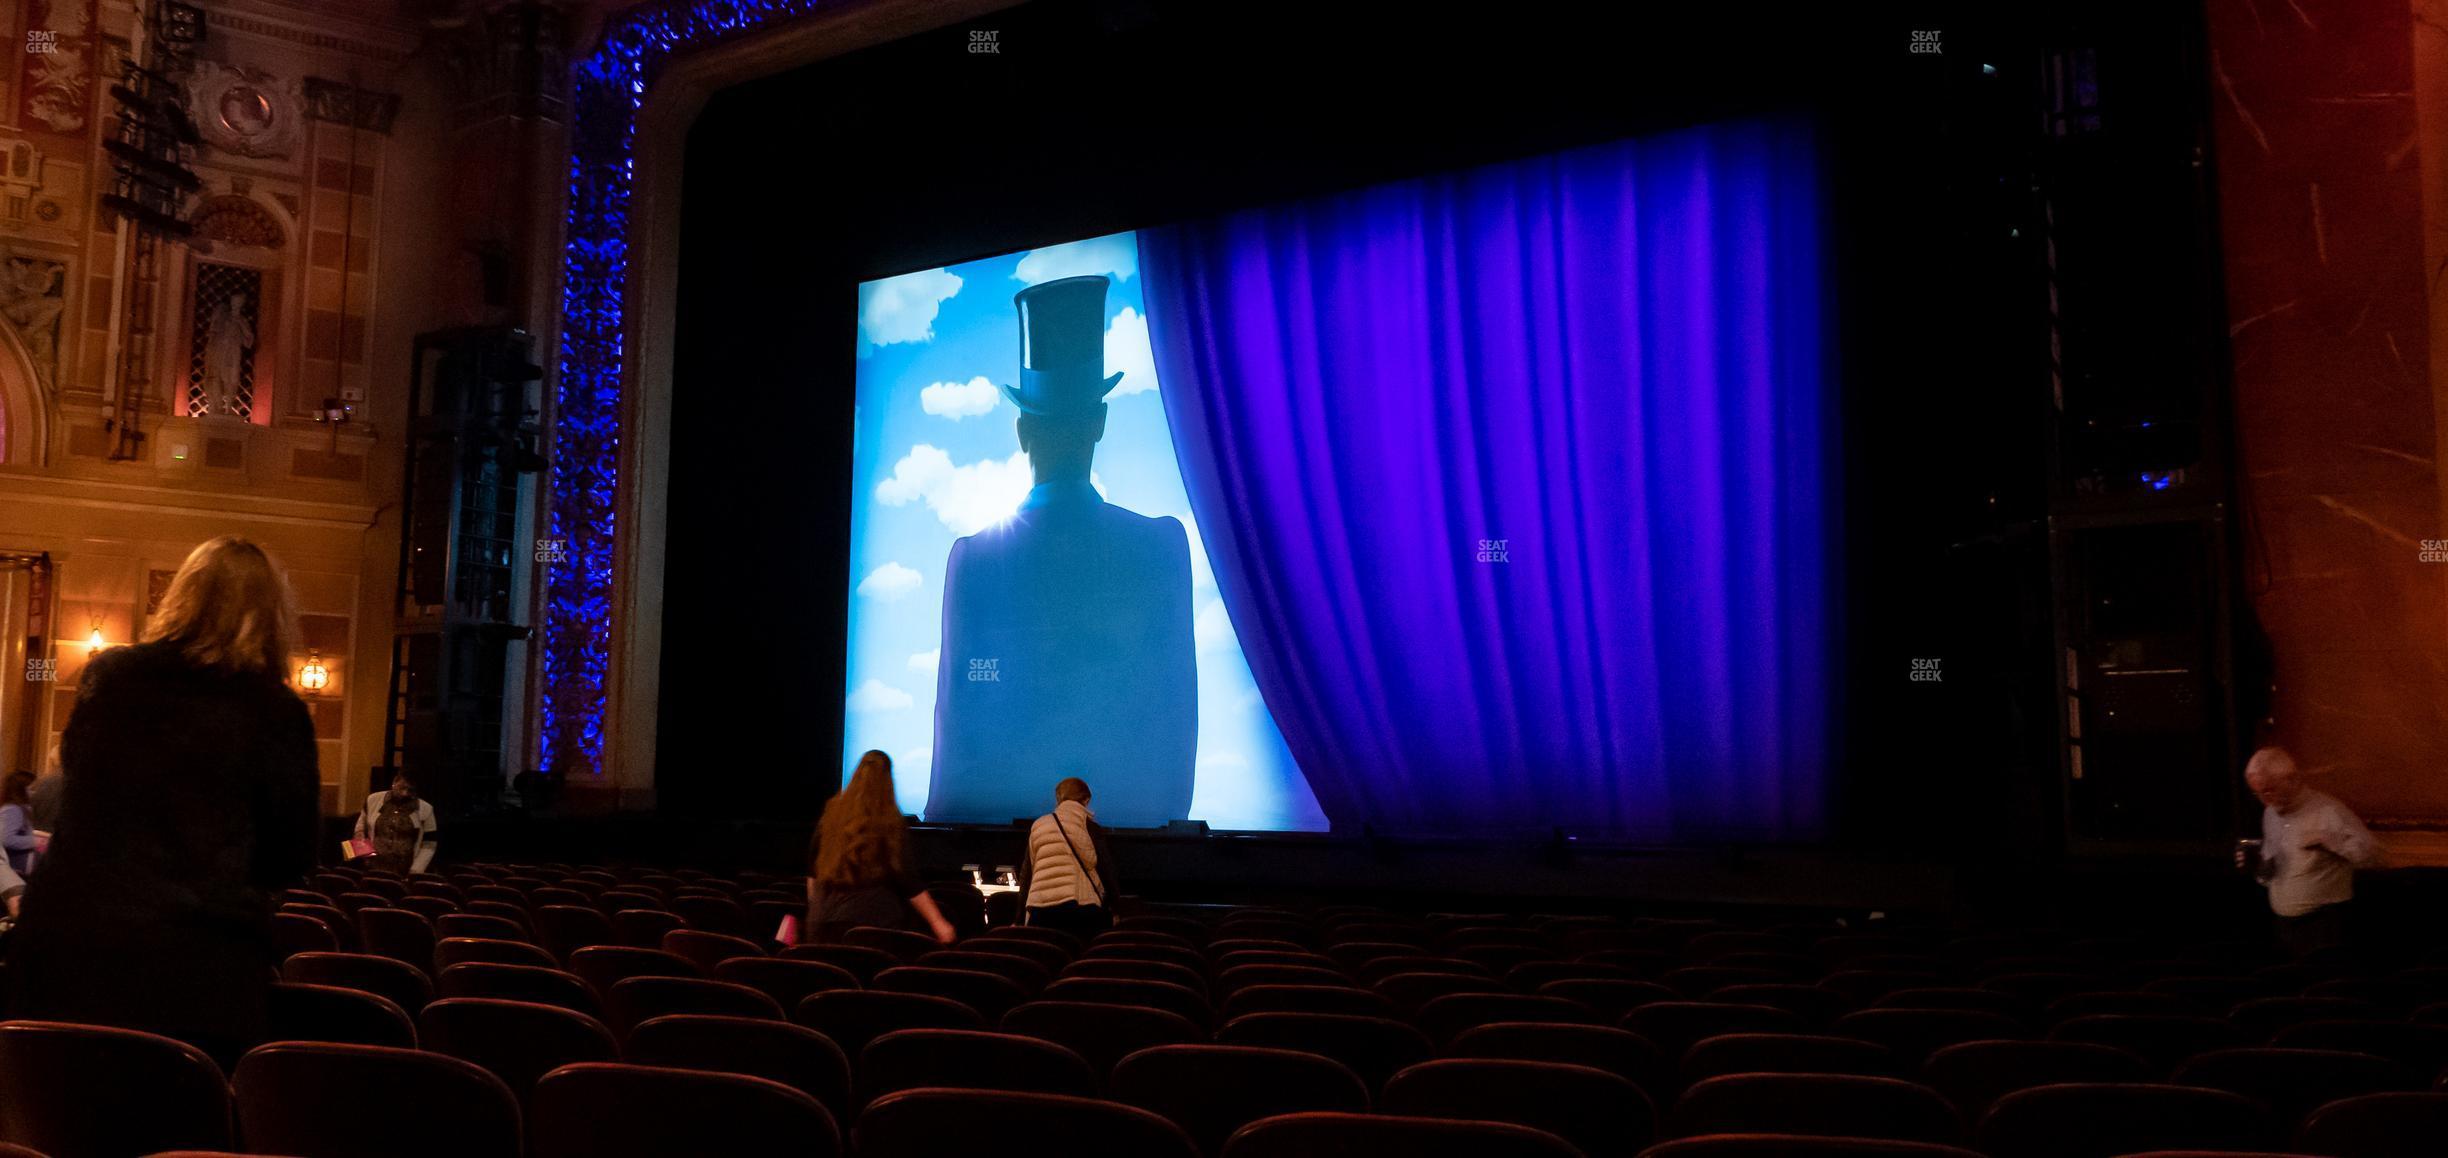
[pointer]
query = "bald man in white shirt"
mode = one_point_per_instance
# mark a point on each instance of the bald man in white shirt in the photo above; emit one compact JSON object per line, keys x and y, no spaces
{"x":2310,"y":846}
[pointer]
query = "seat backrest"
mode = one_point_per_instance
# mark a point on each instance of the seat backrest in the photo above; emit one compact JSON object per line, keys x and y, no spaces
{"x":904,"y":945}
{"x":1446,"y":1016}
{"x":1061,"y":940}
{"x":970,"y":1059}
{"x":2261,"y":1018}
{"x":1166,"y":951}
{"x":1311,"y":1134}
{"x":310,"y":1098}
{"x":516,"y":983}
{"x":1307,"y":999}
{"x":708,"y":948}
{"x":1017,"y":968}
{"x":1212,"y":1090}
{"x":1914,"y":1034}
{"x":604,"y":966}
{"x":638,"y":998}
{"x":1374,"y":1047}
{"x":644,"y":928}
{"x":2100,"y":1120}
{"x":1046,"y":955}
{"x":1620,"y":1052}
{"x":2422,"y":1046}
{"x":566,"y":927}
{"x":516,"y":1041}
{"x":84,"y":1089}
{"x":616,"y":1110}
{"x":302,"y":932}
{"x":1799,"y":1146}
{"x":931,"y":1123}
{"x":1816,"y":1005}
{"x":2392,"y":1125}
{"x":854,"y":1017}
{"x":861,"y":961}
{"x":1604,"y":1115}
{"x":404,"y":984}
{"x":786,"y":981}
{"x":297,"y":1011}
{"x":2162,"y":1040}
{"x":1786,"y":1053}
{"x":485,"y":925}
{"x":400,"y":934}
{"x":1137,"y":969}
{"x":1165,"y":995}
{"x":1673,"y":1026}
{"x":1840,"y":1104}
{"x":451,"y":951}
{"x":793,"y":1055}
{"x":2290,"y":1083}
{"x":1976,"y":1073}
{"x":1103,"y":1034}
{"x":987,"y":993}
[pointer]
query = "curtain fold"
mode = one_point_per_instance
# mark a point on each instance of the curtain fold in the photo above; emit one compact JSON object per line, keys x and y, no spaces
{"x":1518,"y":484}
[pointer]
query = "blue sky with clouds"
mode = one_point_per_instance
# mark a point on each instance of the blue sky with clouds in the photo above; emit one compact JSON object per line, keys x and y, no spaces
{"x":936,"y":458}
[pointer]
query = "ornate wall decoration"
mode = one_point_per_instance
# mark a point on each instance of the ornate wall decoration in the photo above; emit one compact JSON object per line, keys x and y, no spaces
{"x":57,"y":91}
{"x":245,"y":111}
{"x":238,"y":221}
{"x":608,"y":89}
{"x":340,"y":103}
{"x":33,"y":292}
{"x":228,"y":304}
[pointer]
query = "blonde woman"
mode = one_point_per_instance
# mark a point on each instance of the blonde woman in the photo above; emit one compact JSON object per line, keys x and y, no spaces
{"x":1067,"y":876}
{"x":192,"y":781}
{"x":858,"y":871}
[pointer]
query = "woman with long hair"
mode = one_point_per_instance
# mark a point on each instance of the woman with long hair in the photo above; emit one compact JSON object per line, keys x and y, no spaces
{"x":192,"y":796}
{"x":858,"y":865}
{"x":16,"y":822}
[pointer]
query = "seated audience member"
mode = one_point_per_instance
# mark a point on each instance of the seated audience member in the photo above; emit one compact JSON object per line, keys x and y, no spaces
{"x":12,"y":890}
{"x":2310,"y":846}
{"x":395,"y":823}
{"x":43,"y":800}
{"x":17,"y":824}
{"x":859,"y":870}
{"x":1068,"y":872}
{"x":192,"y":776}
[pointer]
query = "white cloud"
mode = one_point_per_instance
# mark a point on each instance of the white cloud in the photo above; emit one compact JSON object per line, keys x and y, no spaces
{"x":902,"y":309}
{"x":926,"y":661}
{"x":1127,"y":350}
{"x":877,"y":696}
{"x":1212,"y":760}
{"x":958,"y":400}
{"x":966,"y":498}
{"x":889,"y":582}
{"x":1212,"y":628}
{"x":1116,"y":255}
{"x":1202,"y":571}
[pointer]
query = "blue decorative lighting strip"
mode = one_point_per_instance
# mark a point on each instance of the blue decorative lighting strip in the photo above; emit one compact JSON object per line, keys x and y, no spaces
{"x":608,"y":89}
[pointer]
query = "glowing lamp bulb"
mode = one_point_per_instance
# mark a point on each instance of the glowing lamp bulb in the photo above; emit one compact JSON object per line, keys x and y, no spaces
{"x":314,"y":677}
{"x":94,"y":640}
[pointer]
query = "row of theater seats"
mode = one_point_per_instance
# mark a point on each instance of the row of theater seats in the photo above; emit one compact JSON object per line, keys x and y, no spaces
{"x":1267,"y":1032}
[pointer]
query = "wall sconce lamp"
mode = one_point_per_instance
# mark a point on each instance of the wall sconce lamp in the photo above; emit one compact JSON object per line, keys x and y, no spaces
{"x":94,"y":642}
{"x":314,"y":677}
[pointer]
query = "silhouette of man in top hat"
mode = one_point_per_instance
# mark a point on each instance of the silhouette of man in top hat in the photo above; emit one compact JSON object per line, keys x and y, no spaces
{"x":1066,"y":630}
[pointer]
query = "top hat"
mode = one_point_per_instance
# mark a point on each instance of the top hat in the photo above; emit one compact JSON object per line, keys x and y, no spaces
{"x":1062,"y":347}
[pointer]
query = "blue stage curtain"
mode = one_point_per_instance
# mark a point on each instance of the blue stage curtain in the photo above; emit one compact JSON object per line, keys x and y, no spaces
{"x":1518,"y":484}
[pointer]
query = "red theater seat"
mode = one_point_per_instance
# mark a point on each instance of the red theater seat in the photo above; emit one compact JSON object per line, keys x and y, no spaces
{"x":1977,"y":1073}
{"x":309,"y":1099}
{"x":1334,"y":1135}
{"x":1786,"y":1053}
{"x":1673,"y":1026}
{"x":706,"y":949}
{"x":903,"y":945}
{"x":2290,"y":1083}
{"x":516,"y":1041}
{"x":404,"y":984}
{"x":854,"y":1017}
{"x":2163,"y":1041}
{"x":1617,"y":1051}
{"x":613,"y":1110}
{"x":968,"y":1059}
{"x":604,"y":966}
{"x":81,"y":1089}
{"x":1604,"y":1115}
{"x":2088,"y":1120}
{"x":1182,"y":1000}
{"x":787,"y":982}
{"x":1135,"y":969}
{"x":1374,"y":1047}
{"x":296,"y":1011}
{"x":517,"y":983}
{"x":987,"y":993}
{"x":636,"y":999}
{"x":566,"y":928}
{"x":793,"y":1055}
{"x":1307,"y":999}
{"x":2400,"y":1125}
{"x":1212,"y":1090}
{"x":400,"y":934}
{"x":1446,"y":1016}
{"x":936,"y":1123}
{"x":1103,"y":1034}
{"x":451,"y":951}
{"x":1013,"y":967}
{"x":1799,"y":1146}
{"x":1842,"y":1105}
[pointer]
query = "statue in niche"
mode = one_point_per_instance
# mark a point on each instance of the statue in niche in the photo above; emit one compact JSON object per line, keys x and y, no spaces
{"x":32,"y":294}
{"x":228,"y":338}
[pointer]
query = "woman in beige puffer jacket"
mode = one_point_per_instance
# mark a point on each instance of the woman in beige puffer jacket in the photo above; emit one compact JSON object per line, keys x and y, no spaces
{"x":1068,"y":873}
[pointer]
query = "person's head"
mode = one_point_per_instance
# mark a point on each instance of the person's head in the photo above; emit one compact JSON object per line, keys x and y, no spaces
{"x":1061,"y":448}
{"x":16,"y":788}
{"x":229,"y":608}
{"x":1070,"y":788}
{"x":2274,"y":778}
{"x":402,"y":788}
{"x":860,"y":837}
